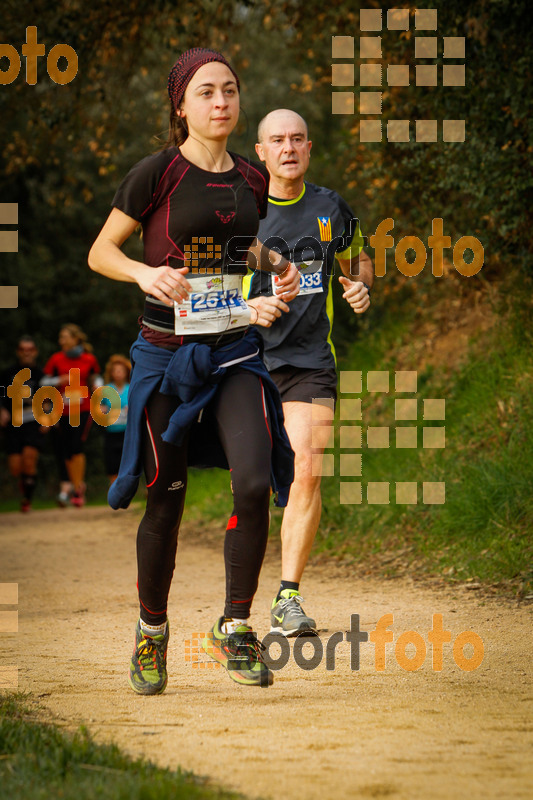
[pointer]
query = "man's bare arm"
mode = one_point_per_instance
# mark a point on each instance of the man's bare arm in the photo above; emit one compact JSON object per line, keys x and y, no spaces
{"x":358,"y":268}
{"x":357,"y":280}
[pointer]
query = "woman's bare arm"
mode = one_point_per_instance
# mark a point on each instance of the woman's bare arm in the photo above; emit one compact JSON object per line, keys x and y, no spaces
{"x":105,"y":256}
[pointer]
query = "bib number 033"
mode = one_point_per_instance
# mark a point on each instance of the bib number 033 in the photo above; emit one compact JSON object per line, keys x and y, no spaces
{"x":310,"y":279}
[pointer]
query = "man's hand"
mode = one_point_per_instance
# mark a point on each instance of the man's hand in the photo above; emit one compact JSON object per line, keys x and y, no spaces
{"x":268,"y":309}
{"x":356,"y":295}
{"x":5,"y":416}
{"x":287,"y":283}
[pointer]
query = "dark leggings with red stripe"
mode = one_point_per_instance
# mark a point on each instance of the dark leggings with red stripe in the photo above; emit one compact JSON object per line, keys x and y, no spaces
{"x":243,"y":428}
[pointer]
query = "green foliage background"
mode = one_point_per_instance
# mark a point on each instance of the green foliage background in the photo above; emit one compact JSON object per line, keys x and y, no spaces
{"x":64,"y":149}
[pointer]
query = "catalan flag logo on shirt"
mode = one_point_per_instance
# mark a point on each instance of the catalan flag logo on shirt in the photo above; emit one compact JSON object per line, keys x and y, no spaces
{"x":324,"y":226}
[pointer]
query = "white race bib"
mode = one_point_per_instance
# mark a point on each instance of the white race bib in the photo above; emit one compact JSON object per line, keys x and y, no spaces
{"x":310,"y":278}
{"x":215,"y":305}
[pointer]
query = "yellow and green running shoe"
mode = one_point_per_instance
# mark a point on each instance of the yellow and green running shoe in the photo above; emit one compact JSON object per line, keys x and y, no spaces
{"x":148,"y":666}
{"x":239,"y":653}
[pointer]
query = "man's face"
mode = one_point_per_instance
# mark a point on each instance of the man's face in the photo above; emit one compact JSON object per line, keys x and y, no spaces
{"x":285,"y":148}
{"x":26,"y":353}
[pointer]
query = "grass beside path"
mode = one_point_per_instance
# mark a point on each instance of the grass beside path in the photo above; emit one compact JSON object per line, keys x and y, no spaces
{"x":472,"y":345}
{"x":39,"y":761}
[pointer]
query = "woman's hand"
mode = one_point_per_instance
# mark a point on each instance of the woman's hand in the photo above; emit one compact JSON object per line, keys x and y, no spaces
{"x":287,"y":283}
{"x":164,"y":283}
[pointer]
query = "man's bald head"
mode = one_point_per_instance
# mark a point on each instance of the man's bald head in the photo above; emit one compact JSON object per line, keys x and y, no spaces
{"x":285,"y":148}
{"x":280,"y":117}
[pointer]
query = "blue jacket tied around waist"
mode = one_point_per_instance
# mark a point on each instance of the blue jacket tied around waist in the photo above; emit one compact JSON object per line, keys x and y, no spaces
{"x":193,"y":373}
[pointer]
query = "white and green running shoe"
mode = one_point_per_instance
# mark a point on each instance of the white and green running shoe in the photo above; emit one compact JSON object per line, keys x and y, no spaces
{"x":288,"y":617}
{"x":148,"y":666}
{"x":240,"y":653}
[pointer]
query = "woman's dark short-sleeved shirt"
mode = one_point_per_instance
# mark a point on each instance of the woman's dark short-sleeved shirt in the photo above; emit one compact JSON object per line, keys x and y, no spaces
{"x":191,"y":217}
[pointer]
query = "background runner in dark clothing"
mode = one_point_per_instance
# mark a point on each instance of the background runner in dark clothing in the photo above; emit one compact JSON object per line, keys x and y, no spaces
{"x":23,"y":441}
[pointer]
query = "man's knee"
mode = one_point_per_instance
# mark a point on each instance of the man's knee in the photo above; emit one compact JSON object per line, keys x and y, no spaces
{"x":308,"y":484}
{"x":308,"y":468}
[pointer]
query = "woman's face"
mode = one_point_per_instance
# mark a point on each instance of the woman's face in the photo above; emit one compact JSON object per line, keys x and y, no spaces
{"x":119,"y":373}
{"x":211,"y":102}
{"x":66,"y":340}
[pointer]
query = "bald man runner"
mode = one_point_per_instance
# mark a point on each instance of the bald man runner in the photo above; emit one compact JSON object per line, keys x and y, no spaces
{"x":315,"y":225}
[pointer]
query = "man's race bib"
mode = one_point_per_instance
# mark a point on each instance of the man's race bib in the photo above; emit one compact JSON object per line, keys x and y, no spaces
{"x":215,"y":305}
{"x":310,"y":278}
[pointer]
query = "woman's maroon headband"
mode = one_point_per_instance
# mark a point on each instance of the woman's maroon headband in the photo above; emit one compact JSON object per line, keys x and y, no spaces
{"x":185,"y":67}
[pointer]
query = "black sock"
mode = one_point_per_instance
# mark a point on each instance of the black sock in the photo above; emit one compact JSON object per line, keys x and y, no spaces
{"x":287,"y":585}
{"x":28,"y":484}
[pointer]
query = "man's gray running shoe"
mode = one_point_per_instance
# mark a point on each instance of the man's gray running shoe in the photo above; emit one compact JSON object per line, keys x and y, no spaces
{"x":288,"y":617}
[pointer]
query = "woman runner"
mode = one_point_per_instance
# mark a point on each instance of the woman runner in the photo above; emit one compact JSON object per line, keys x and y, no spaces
{"x":68,"y":437}
{"x":199,"y":393}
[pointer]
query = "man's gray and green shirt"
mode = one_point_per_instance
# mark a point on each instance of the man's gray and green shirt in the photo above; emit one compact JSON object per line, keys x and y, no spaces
{"x":309,"y":230}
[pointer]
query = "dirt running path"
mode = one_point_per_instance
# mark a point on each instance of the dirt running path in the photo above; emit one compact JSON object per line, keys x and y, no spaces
{"x":313,"y":735}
